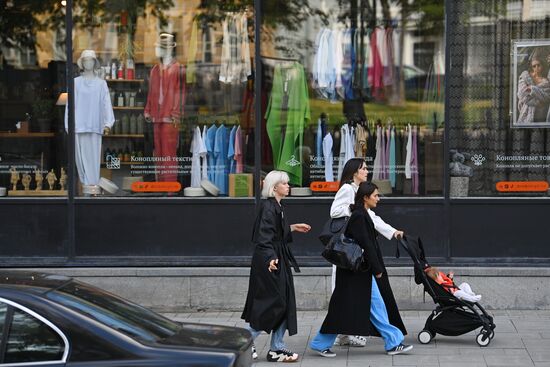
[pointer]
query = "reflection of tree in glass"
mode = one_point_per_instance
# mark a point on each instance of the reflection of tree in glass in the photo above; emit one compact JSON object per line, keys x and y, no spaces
{"x":23,"y":18}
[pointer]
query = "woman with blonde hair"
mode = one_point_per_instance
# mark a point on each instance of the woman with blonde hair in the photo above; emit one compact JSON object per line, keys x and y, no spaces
{"x":270,"y":303}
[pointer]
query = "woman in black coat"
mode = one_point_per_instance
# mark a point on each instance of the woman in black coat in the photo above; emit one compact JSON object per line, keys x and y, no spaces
{"x":363,"y":303}
{"x":270,"y":303}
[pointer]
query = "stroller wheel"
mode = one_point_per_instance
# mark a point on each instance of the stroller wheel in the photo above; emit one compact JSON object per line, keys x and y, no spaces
{"x":424,"y":337}
{"x":491,"y":334}
{"x":483,"y":338}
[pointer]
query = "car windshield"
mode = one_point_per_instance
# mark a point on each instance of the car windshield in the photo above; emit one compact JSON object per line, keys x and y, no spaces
{"x":117,"y":313}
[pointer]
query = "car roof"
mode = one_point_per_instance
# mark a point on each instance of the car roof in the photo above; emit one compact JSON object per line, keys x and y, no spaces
{"x":30,"y":280}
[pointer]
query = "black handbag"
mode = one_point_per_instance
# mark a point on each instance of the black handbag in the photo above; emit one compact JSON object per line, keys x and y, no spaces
{"x":332,"y":227}
{"x":345,"y":252}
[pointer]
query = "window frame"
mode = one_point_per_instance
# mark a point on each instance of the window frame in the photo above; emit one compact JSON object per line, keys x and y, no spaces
{"x":7,"y":324}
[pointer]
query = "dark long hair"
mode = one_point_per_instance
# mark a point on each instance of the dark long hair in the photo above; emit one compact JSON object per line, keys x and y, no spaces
{"x":365,"y":189}
{"x":353,"y":165}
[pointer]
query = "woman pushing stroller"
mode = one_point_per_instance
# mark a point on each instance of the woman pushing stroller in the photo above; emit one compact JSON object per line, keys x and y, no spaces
{"x":363,"y":303}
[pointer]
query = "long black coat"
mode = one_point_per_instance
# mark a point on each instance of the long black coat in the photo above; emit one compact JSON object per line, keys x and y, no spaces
{"x":271,"y":298}
{"x":349,"y":309}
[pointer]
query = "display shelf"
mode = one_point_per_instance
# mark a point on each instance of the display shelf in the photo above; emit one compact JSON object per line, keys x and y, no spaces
{"x":43,"y":192}
{"x":124,"y":80}
{"x":129,"y":108}
{"x":136,"y":136}
{"x":26,"y":135}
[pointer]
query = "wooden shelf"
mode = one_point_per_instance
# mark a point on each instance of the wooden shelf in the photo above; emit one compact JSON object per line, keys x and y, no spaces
{"x":26,"y":135}
{"x":129,"y":108}
{"x":136,"y":136}
{"x":124,"y":80}
{"x":43,"y":192}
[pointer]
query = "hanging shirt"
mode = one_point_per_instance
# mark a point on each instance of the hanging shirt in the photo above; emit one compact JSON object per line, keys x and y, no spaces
{"x":235,"y":61}
{"x":319,"y":144}
{"x":414,"y":163}
{"x":221,"y":167}
{"x":238,"y":150}
{"x":377,"y":167}
{"x":231,"y":151}
{"x":210,"y":142}
{"x":93,"y":110}
{"x":163,"y":99}
{"x":327,"y":155}
{"x":391,"y":167}
{"x":409,"y":153}
{"x":289,"y":107}
{"x":346,"y":147}
{"x":198,"y":150}
{"x":204,"y":158}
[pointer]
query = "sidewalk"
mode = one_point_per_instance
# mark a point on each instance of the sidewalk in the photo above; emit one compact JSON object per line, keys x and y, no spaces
{"x":522,"y":338}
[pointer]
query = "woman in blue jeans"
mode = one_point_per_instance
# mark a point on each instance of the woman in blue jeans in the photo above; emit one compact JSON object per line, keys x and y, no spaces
{"x":363,"y":303}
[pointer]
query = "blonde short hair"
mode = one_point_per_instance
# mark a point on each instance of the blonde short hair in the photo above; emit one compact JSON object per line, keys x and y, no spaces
{"x":271,"y":180}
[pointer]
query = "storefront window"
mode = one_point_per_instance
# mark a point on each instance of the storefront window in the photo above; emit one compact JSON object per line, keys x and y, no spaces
{"x":32,"y":81}
{"x":359,"y":78}
{"x":164,"y":98}
{"x":500,"y":97}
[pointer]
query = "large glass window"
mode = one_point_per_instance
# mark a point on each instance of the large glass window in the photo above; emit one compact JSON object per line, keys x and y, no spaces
{"x":499,"y":118}
{"x":32,"y":79}
{"x":358,"y":78}
{"x":164,"y":98}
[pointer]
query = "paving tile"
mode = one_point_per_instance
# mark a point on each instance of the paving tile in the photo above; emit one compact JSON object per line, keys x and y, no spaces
{"x":521,"y":339}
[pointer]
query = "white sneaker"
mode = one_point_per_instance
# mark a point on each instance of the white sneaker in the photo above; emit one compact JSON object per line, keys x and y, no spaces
{"x":357,"y":341}
{"x":254,"y":352}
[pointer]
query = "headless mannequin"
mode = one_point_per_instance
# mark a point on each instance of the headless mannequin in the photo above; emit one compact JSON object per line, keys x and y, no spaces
{"x":163,"y":107}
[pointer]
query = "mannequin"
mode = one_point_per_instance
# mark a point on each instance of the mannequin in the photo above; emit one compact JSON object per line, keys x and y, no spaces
{"x":93,"y":117}
{"x":163,"y":106}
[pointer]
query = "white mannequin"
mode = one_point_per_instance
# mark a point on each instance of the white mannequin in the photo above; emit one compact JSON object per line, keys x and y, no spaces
{"x":93,"y":117}
{"x":166,"y":57}
{"x":89,"y":73}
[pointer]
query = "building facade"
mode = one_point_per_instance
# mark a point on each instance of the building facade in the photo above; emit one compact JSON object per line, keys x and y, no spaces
{"x":150,"y":150}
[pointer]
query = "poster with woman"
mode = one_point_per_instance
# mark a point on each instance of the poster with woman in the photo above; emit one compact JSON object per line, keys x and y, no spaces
{"x":531,"y":84}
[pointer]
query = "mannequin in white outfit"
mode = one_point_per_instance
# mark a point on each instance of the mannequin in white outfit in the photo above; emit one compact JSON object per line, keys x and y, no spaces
{"x":93,"y":117}
{"x":354,"y":172}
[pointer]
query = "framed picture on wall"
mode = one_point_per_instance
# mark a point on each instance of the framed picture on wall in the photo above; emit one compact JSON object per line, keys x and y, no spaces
{"x":530,"y":100}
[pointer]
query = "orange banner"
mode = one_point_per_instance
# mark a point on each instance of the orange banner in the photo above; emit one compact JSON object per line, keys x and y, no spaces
{"x":156,"y":186}
{"x":321,"y":186}
{"x":522,"y":186}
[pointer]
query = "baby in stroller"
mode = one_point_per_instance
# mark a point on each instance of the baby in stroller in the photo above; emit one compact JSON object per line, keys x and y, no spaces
{"x":463,"y":291}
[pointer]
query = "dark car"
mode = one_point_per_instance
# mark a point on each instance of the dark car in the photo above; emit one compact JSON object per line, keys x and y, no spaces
{"x":51,"y":320}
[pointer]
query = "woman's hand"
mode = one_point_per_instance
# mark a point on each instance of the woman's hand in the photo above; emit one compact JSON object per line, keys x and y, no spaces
{"x":273,"y":265}
{"x":300,"y":227}
{"x":378,"y":276}
{"x":398,"y":234}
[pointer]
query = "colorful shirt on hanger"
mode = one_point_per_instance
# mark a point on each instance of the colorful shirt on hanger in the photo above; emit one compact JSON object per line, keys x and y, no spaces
{"x":288,"y":108}
{"x":231,"y":151}
{"x":221,"y":168}
{"x":210,"y":144}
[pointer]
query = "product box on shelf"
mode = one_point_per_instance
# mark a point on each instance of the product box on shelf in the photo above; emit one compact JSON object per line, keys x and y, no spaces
{"x":241,"y":185}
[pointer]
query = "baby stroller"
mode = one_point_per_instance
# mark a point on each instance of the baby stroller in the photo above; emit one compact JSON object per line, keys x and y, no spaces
{"x":452,"y":316}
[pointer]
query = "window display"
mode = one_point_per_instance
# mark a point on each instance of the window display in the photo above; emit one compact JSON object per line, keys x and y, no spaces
{"x":361,"y":93}
{"x":33,"y":158}
{"x":180,"y":82}
{"x":499,"y":135}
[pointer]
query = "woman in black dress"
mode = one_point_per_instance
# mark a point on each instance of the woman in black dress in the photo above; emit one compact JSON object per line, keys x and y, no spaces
{"x":270,"y":303}
{"x":363,"y":303}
